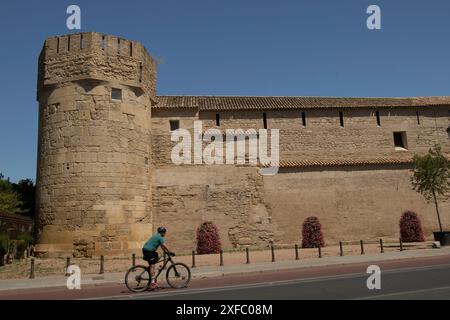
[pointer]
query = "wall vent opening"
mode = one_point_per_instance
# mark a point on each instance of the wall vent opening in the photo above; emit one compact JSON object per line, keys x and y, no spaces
{"x":218,"y":119}
{"x":116,"y":94}
{"x":174,"y":125}
{"x":265,"y":120}
{"x":400,"y":141}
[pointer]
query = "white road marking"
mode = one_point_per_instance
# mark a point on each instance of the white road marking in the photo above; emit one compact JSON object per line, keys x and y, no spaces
{"x":378,"y":296}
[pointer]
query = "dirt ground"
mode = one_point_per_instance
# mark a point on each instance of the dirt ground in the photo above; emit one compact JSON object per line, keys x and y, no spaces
{"x":56,"y":266}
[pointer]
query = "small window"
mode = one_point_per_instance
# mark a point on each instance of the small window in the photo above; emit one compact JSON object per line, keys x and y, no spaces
{"x":304,"y":119}
{"x":116,"y":94}
{"x":400,"y":142}
{"x":174,"y":125}
{"x":341,"y":119}
{"x":218,"y":119}
{"x":377,"y":114}
{"x":265,"y":120}
{"x":417,"y":116}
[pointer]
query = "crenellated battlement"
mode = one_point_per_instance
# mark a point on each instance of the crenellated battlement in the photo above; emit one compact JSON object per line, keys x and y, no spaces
{"x":95,"y":56}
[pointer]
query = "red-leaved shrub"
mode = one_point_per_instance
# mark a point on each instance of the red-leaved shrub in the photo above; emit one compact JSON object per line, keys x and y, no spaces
{"x":208,"y":240}
{"x":312,"y":233}
{"x":411,"y":227}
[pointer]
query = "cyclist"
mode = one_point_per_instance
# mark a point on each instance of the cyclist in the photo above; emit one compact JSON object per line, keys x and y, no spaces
{"x":150,"y":253}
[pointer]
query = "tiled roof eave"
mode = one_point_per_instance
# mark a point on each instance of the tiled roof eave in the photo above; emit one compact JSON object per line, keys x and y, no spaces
{"x":223,"y":103}
{"x":343,"y":162}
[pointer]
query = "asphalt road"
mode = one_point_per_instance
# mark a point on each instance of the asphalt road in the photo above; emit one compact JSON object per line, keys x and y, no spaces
{"x":420,"y":278}
{"x":431,"y":282}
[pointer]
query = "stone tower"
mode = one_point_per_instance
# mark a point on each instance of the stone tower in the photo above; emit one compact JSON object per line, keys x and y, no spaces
{"x":95,"y":95}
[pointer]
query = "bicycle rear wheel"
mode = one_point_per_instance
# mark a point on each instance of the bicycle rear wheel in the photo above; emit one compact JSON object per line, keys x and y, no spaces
{"x":137,"y":279}
{"x":178,"y":275}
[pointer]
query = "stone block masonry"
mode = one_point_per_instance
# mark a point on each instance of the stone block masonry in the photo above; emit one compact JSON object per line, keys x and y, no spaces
{"x":105,"y":180}
{"x":94,"y":180}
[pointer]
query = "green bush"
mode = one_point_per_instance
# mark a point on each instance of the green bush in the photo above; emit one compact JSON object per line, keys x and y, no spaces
{"x":24,"y":240}
{"x":4,"y":247}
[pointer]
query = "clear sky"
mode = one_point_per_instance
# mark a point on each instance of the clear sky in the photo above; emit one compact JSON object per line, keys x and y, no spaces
{"x":233,"y":47}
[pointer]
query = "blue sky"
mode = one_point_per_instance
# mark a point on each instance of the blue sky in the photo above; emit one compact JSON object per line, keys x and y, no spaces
{"x":233,"y":47}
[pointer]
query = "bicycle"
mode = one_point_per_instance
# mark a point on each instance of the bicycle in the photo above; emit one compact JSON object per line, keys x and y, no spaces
{"x":138,"y":278}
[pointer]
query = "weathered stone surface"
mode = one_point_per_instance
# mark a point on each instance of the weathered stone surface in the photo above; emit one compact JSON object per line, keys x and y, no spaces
{"x":93,"y":180}
{"x":106,"y":181}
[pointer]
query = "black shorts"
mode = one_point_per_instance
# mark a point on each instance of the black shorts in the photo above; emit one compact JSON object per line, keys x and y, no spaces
{"x":150,"y":256}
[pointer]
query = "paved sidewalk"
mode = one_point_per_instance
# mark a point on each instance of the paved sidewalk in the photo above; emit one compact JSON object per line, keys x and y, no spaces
{"x":215,"y":271}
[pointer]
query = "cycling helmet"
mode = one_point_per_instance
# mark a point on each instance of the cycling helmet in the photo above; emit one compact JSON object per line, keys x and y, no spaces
{"x":162,"y":230}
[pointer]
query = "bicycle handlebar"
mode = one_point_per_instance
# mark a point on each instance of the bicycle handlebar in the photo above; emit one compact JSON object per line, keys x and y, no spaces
{"x":172,"y":254}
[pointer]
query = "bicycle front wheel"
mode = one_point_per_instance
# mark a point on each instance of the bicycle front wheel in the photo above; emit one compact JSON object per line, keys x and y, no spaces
{"x":178,"y":275}
{"x":137,"y":278}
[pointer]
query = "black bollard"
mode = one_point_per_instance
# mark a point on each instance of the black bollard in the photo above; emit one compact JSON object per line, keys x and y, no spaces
{"x":273,"y":253}
{"x":341,"y":249}
{"x":401,"y":244}
{"x":362,"y":246}
{"x":296,"y":252}
{"x":320,"y":251}
{"x":221,"y":257}
{"x":193,"y":259}
{"x":102,"y":264}
{"x":133,"y":259}
{"x":381,"y":246}
{"x":247,"y":254}
{"x":32,"y":269}
{"x":67,"y":266}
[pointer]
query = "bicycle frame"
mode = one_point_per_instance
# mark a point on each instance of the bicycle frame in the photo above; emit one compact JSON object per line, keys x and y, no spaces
{"x":166,"y":259}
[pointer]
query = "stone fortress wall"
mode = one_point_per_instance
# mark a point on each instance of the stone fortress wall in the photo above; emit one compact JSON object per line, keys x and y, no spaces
{"x":105,"y":179}
{"x":94,"y":179}
{"x":352,"y":177}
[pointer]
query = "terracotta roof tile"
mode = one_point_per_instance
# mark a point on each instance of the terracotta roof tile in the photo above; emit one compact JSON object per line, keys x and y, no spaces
{"x":344,"y":162}
{"x":267,"y":103}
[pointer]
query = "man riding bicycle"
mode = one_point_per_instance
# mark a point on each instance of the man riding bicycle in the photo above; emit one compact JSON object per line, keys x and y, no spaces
{"x":150,"y":253}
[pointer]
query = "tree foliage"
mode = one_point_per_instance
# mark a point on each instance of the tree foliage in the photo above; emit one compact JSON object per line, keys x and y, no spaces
{"x":26,"y":189}
{"x":9,"y":199}
{"x":17,"y":197}
{"x":431,"y":175}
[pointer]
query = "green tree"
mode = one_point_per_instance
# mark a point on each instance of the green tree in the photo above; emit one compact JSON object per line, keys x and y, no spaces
{"x":9,"y":199}
{"x":431,"y":175}
{"x":26,"y":190}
